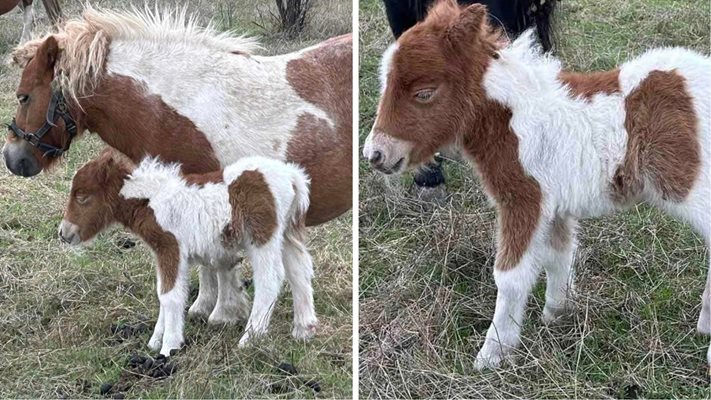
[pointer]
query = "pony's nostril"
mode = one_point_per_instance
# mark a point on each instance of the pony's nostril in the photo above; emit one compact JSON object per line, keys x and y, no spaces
{"x":376,"y":158}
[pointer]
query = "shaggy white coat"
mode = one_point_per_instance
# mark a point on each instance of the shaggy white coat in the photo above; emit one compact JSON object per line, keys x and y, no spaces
{"x":197,"y":216}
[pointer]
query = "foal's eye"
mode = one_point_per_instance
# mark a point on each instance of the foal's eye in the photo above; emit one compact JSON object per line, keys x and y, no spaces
{"x":23,"y":98}
{"x":424,"y":95}
{"x":82,"y":199}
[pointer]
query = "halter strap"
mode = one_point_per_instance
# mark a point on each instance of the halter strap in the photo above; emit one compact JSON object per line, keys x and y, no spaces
{"x":57,"y":109}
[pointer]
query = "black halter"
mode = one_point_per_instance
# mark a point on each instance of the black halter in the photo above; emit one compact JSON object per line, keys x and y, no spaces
{"x":57,"y":109}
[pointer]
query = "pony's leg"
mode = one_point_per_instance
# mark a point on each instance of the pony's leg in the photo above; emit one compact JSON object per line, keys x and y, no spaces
{"x":299,"y":273}
{"x":207,"y":294}
{"x":704,"y":324}
{"x":157,"y":338}
{"x":232,"y":302}
{"x":28,"y":22}
{"x":268,"y":277}
{"x":514,"y":284}
{"x":173,"y":304}
{"x":559,"y":268}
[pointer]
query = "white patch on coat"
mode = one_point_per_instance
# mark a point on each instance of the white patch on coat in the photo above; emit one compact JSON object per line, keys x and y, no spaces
{"x":242,"y":104}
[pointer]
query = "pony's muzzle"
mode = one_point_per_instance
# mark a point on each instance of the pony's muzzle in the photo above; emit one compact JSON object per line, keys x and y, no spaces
{"x":69,"y":233}
{"x":19,"y":160}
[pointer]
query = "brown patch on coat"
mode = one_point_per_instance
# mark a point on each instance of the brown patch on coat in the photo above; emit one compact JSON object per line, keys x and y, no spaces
{"x":143,"y":124}
{"x":323,"y":77}
{"x":253,"y":207}
{"x":450,"y":52}
{"x":587,"y":85}
{"x":205,"y":178}
{"x":494,"y":148}
{"x":101,"y":180}
{"x":662,"y":144}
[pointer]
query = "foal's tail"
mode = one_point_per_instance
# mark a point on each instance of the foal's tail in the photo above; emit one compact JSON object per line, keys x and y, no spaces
{"x":300,"y":181}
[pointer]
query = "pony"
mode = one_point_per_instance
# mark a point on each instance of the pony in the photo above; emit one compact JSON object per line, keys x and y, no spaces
{"x":27,"y":15}
{"x":156,"y":83}
{"x":514,"y":17}
{"x":550,"y":145}
{"x":256,"y":204}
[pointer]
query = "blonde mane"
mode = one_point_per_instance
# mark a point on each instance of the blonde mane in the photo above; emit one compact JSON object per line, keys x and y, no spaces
{"x":84,"y":41}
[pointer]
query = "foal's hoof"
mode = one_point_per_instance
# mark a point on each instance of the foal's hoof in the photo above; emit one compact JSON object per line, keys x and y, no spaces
{"x":305,"y":332}
{"x":552,"y":315}
{"x":704,"y":326}
{"x":155,"y":343}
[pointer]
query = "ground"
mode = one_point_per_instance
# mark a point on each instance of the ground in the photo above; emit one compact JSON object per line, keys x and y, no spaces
{"x":73,"y":320}
{"x":426,"y":287}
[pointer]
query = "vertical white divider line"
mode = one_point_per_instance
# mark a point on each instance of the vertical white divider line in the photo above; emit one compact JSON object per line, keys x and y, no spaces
{"x":355,"y":274}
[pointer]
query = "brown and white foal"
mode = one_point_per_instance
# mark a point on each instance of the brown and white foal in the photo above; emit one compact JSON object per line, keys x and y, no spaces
{"x":256,"y":204}
{"x":550,"y":146}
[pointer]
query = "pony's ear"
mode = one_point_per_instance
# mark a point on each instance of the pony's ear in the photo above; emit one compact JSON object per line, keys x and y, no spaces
{"x":48,"y":52}
{"x":468,"y":26}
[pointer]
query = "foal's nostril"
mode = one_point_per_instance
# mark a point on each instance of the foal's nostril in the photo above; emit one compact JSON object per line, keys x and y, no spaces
{"x":376,"y":158}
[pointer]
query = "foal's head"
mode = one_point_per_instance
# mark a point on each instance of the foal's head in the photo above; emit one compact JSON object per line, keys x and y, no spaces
{"x":431,"y":84}
{"x":94,"y":197}
{"x":34,"y":95}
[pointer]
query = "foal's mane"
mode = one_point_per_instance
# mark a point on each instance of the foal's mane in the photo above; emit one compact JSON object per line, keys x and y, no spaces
{"x":84,"y":41}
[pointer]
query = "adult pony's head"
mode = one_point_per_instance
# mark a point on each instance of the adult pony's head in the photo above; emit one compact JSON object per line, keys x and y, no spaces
{"x":431,"y":81}
{"x":43,"y":126}
{"x":62,"y":71}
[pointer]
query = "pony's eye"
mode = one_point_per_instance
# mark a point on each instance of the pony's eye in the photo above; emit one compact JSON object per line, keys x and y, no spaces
{"x":424,"y":95}
{"x":23,"y":98}
{"x":82,"y":199}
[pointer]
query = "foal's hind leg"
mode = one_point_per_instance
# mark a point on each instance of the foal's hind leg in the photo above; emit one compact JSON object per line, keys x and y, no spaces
{"x":207,"y":295}
{"x":559,"y":268}
{"x":232,"y":303}
{"x":704,"y":324}
{"x":299,"y":273}
{"x":268,"y":277}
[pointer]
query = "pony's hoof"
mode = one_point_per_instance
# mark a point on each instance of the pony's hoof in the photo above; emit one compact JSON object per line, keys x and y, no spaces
{"x":200,"y":310}
{"x":704,"y":326}
{"x":305,"y":332}
{"x":244,"y":341}
{"x":552,"y":315}
{"x":155,"y":343}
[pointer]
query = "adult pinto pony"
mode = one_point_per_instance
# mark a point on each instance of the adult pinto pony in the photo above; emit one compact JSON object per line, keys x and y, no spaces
{"x":513,"y":16}
{"x":154,"y":83}
{"x":550,"y":146}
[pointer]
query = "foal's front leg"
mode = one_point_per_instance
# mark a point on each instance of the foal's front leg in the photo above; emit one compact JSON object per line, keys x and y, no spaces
{"x":515,"y":273}
{"x":172,"y":295}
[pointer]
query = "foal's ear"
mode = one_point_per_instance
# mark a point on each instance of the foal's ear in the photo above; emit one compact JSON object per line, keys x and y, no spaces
{"x":468,"y":26}
{"x":48,"y":52}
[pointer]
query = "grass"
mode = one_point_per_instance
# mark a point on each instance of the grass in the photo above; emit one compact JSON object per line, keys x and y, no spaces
{"x":427,"y":293}
{"x":58,"y":305}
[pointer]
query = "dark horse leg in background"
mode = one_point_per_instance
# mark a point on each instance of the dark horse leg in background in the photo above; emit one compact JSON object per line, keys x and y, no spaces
{"x":515,"y":16}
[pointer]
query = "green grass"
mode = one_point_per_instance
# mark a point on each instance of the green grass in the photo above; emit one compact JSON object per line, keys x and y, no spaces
{"x":57,"y":305}
{"x":427,"y":290}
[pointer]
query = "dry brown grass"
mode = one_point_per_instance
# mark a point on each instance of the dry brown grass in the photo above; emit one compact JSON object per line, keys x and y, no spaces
{"x":427,"y":290}
{"x":57,"y":305}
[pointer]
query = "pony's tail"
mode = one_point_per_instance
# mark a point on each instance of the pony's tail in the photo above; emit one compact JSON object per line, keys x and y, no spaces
{"x":543,"y":13}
